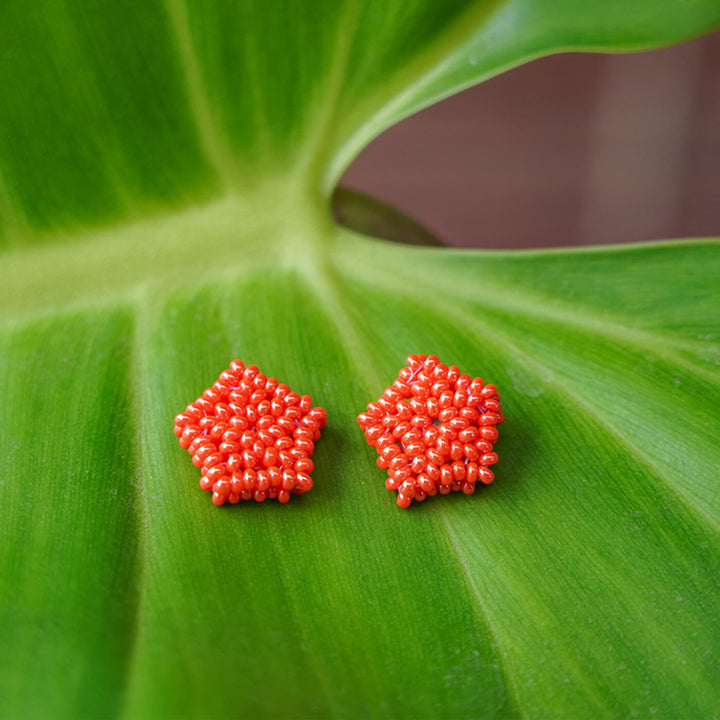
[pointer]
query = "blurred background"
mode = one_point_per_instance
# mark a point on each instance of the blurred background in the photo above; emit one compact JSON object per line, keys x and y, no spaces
{"x":573,"y":149}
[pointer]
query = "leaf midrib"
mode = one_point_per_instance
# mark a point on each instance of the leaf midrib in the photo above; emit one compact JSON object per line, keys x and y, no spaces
{"x":188,"y":249}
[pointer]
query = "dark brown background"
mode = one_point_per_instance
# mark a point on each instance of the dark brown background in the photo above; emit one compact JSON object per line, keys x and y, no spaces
{"x":573,"y":149}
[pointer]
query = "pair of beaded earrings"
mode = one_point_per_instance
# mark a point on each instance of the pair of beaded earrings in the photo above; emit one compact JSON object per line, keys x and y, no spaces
{"x":253,"y":438}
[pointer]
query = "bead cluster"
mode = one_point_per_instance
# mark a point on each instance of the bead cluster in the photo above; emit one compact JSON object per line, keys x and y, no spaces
{"x":251,"y":437}
{"x":434,"y":430}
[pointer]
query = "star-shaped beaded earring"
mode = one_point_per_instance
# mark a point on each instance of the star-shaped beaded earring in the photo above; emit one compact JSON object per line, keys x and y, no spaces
{"x":251,"y":437}
{"x":434,"y":430}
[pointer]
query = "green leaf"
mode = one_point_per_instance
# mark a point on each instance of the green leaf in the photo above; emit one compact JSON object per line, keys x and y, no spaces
{"x":165,"y":180}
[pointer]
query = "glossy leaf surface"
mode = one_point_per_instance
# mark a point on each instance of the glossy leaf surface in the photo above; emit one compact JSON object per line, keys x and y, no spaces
{"x":165,"y":172}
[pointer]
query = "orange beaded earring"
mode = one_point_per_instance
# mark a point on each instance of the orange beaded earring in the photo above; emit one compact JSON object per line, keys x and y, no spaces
{"x":251,"y":437}
{"x":434,"y":430}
